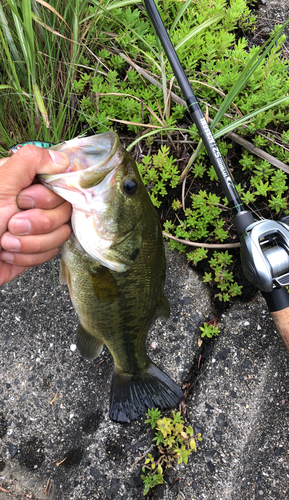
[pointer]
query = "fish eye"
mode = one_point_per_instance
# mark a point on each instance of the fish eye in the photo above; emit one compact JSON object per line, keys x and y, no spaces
{"x":129,"y":186}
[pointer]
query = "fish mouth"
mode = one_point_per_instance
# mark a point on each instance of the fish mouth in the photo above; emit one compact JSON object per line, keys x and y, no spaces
{"x":90,"y":184}
{"x":91,"y":160}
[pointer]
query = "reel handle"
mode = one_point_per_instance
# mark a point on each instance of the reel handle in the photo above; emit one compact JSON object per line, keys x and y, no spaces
{"x":278,"y":305}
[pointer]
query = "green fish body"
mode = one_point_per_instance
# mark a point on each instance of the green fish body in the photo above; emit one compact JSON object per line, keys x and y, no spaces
{"x":114,"y":267}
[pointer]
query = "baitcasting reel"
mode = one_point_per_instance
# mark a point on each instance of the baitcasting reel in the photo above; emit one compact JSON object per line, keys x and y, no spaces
{"x":265,"y":254}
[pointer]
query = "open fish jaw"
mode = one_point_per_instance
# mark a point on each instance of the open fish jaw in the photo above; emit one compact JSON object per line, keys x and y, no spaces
{"x":91,"y":152}
{"x":91,"y":160}
{"x":91,"y":189}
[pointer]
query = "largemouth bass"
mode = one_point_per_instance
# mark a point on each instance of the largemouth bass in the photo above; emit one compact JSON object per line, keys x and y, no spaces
{"x":114,"y":267}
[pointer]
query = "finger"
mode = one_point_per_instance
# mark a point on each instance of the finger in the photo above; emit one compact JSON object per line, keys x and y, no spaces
{"x":3,"y":160}
{"x":27,"y":260}
{"x":35,"y":244}
{"x":39,"y":221}
{"x":19,"y":171}
{"x":8,"y":272}
{"x":38,"y":196}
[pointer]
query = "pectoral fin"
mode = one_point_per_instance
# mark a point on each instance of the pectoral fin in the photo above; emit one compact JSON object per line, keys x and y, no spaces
{"x":125,"y":250}
{"x":88,"y":345}
{"x":104,"y":285}
{"x":64,"y":274}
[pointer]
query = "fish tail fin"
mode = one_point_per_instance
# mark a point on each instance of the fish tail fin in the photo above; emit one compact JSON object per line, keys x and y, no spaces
{"x":132,"y":395}
{"x":88,"y":345}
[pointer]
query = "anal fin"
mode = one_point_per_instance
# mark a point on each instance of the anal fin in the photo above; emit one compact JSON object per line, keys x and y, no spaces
{"x":88,"y":345}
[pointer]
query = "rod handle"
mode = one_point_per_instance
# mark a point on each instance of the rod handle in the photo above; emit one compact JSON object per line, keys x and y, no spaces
{"x":278,"y":305}
{"x":281,"y":320}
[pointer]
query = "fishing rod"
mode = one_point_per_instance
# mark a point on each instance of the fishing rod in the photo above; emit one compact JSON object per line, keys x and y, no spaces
{"x":264,"y":243}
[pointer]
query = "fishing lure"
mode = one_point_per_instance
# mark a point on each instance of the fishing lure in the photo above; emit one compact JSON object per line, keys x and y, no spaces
{"x":39,"y":144}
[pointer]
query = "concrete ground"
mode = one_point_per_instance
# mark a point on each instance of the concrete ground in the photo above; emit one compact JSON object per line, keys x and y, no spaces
{"x":272,"y":12}
{"x":54,"y":425}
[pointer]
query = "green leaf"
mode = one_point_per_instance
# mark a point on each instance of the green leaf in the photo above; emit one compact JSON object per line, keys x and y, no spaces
{"x":193,"y":445}
{"x":209,"y":331}
{"x":262,"y":188}
{"x":248,"y":70}
{"x":246,"y":119}
{"x":153,"y":415}
{"x":277,"y":203}
{"x":165,"y":426}
{"x":182,"y":453}
{"x":198,"y":29}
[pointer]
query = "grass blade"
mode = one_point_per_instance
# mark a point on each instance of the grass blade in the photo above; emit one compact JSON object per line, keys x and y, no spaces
{"x":45,"y":4}
{"x":158,"y":131}
{"x":40,"y":104}
{"x":246,"y":74}
{"x":120,"y":22}
{"x":164,"y":83}
{"x":118,"y":5}
{"x":198,"y":29}
{"x":12,"y":74}
{"x":179,"y":15}
{"x":19,"y":28}
{"x":247,"y":118}
{"x":8,"y":35}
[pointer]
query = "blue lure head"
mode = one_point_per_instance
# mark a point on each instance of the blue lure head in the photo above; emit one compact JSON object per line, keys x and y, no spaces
{"x":39,"y":144}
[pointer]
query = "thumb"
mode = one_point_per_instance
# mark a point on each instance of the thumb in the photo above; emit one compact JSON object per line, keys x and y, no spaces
{"x":18,"y":172}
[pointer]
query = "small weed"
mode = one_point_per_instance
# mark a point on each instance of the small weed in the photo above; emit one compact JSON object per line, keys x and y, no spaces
{"x":221,"y":277}
{"x":173,"y":440}
{"x":158,"y":172}
{"x":203,"y":220}
{"x":209,"y":331}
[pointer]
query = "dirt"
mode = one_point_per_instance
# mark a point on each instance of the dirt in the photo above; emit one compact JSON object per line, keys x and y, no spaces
{"x":31,"y":453}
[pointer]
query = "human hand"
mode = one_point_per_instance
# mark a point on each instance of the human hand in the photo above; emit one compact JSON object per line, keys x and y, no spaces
{"x":33,"y":219}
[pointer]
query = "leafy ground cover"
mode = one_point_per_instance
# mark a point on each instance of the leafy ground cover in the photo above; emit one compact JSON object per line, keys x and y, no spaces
{"x":173,"y":441}
{"x":68,"y":68}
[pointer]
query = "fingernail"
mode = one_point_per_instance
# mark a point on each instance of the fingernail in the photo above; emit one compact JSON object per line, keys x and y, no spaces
{"x":58,"y":158}
{"x":25,"y":202}
{"x":10,"y":243}
{"x":20,"y":226}
{"x":7,"y":257}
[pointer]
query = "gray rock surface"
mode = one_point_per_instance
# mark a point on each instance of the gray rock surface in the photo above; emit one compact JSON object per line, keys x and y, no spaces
{"x":270,"y":13}
{"x":54,"y":404}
